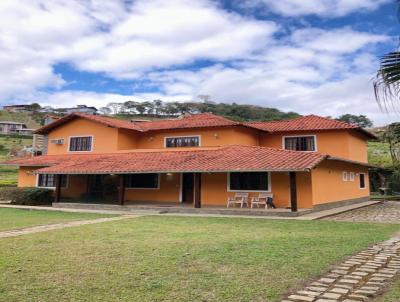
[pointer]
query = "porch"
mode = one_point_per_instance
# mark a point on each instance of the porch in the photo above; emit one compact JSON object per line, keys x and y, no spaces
{"x":176,"y":192}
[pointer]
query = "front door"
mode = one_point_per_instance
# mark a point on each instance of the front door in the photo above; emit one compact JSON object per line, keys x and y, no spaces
{"x":187,"y":187}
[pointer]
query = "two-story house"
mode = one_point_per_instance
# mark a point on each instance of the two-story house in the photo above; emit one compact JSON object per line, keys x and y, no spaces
{"x":201,"y":159}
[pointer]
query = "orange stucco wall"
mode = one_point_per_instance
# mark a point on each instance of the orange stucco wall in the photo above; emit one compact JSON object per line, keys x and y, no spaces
{"x":341,"y":143}
{"x":169,"y":190}
{"x":105,"y":139}
{"x":328,"y":184}
{"x":76,"y":184}
{"x":208,"y":137}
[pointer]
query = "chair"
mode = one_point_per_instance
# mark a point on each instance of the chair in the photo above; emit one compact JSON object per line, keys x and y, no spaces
{"x":262,"y":199}
{"x":239,"y":198}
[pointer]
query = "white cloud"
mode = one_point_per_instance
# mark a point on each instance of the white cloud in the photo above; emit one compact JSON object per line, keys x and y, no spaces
{"x":309,"y":70}
{"x":323,"y":8}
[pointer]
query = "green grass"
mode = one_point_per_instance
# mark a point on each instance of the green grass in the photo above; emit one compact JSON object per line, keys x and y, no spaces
{"x":11,"y":219}
{"x":177,"y":259}
{"x":392,"y":295}
{"x":8,"y":175}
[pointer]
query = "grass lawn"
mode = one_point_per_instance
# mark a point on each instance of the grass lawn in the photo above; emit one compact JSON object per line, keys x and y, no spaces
{"x":392,"y":295}
{"x":19,"y":218}
{"x":156,"y":258}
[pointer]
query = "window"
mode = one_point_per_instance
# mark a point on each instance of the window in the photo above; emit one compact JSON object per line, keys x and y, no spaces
{"x":362,"y":181}
{"x":345,"y":176}
{"x":300,"y":143}
{"x":83,"y":143}
{"x":249,"y":181}
{"x":352,"y":176}
{"x":142,"y":181}
{"x":49,"y":180}
{"x":182,"y":141}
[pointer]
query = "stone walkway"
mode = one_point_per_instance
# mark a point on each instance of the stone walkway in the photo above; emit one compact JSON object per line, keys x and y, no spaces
{"x":359,"y":278}
{"x":57,"y":226}
{"x":386,"y":212}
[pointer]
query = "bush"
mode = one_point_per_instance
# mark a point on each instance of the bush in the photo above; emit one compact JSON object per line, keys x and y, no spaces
{"x":394,"y":182}
{"x":27,"y":196}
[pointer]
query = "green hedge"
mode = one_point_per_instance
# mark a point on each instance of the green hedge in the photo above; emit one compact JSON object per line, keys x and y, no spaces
{"x":26,"y":196}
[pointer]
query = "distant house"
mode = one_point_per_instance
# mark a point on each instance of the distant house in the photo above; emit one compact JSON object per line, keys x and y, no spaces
{"x":17,"y":108}
{"x":50,"y":118}
{"x":8,"y":127}
{"x":79,"y":108}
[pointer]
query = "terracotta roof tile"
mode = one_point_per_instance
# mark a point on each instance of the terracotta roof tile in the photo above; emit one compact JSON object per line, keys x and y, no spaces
{"x":223,"y":159}
{"x":306,"y":123}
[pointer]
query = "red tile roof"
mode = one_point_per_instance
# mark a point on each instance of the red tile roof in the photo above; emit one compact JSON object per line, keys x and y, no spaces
{"x":306,"y":123}
{"x":193,"y":121}
{"x":222,"y":159}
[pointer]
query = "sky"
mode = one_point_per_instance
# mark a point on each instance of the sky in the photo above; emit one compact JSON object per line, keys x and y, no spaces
{"x":308,"y":56}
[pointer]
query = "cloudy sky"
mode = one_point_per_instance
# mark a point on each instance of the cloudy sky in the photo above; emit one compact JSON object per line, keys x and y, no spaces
{"x":314,"y":56}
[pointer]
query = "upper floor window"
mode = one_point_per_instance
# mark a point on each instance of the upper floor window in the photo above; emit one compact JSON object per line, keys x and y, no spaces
{"x":300,"y":143}
{"x":82,"y":143}
{"x":142,"y":181}
{"x":249,"y":181}
{"x":182,"y":141}
{"x":49,"y":180}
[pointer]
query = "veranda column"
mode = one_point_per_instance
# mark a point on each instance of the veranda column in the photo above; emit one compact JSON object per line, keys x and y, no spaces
{"x":197,"y":190}
{"x":121,"y":192}
{"x":293,"y":191}
{"x":57,"y":193}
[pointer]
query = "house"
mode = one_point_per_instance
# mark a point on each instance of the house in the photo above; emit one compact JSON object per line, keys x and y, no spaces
{"x":202,"y":160}
{"x":8,"y":127}
{"x":18,"y":108}
{"x":79,"y":108}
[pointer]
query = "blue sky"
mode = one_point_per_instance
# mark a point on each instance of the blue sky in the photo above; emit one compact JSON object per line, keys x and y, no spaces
{"x":315,"y":56}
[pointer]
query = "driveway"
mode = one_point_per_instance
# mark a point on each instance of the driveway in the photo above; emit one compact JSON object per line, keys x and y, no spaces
{"x":386,"y":212}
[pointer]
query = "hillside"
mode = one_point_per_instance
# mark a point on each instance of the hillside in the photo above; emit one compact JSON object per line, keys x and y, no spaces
{"x":32,"y":120}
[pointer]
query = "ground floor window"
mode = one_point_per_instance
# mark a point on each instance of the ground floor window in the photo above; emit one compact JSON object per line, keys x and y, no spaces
{"x":49,"y":180}
{"x":362,"y":181}
{"x":249,"y":181}
{"x":142,"y":181}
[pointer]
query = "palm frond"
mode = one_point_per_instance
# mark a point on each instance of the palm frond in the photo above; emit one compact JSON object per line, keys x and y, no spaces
{"x":387,"y":81}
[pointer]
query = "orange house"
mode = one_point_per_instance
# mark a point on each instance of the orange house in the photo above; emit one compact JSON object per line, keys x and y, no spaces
{"x":202,"y":160}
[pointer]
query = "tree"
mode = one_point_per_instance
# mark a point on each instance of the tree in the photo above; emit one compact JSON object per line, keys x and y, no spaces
{"x":387,"y":80}
{"x":392,"y":136}
{"x":157,"y":105}
{"x":360,"y":120}
{"x":115,"y":107}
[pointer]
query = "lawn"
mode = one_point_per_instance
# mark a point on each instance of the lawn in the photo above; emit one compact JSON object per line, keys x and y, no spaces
{"x":156,"y":258}
{"x":392,"y":295}
{"x":20,"y":218}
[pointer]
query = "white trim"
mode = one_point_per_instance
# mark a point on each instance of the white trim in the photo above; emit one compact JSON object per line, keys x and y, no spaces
{"x":345,"y":176}
{"x":177,"y":136}
{"x":74,"y":136}
{"x":51,"y":188}
{"x":352,"y":176}
{"x":308,"y":135}
{"x":158,"y":183}
{"x":359,"y":181}
{"x":264,"y":191}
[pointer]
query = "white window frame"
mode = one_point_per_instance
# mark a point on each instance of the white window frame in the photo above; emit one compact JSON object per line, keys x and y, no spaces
{"x":365,"y":181}
{"x":177,"y":136}
{"x":295,"y":136}
{"x":261,"y":191}
{"x":51,"y":188}
{"x":75,"y":136}
{"x":345,"y":176}
{"x":352,"y":176}
{"x":158,"y":182}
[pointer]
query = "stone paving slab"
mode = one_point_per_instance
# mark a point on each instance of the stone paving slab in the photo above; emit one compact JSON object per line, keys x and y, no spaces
{"x":384,"y":212}
{"x":359,"y":278}
{"x":57,"y":226}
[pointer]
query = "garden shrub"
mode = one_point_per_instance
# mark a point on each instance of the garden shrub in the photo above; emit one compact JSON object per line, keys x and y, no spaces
{"x":394,"y":182}
{"x":26,"y":196}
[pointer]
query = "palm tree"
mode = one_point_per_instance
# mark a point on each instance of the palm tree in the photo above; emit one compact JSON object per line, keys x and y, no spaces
{"x":387,"y":80}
